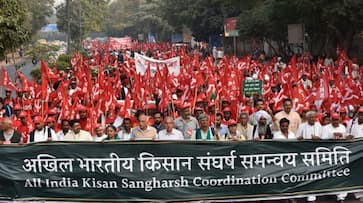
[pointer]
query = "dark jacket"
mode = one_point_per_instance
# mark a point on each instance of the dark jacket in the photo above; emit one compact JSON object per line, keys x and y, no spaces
{"x":16,"y":138}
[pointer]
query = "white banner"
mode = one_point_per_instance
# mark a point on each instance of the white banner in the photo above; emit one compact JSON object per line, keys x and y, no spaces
{"x":142,"y":63}
{"x":120,"y":43}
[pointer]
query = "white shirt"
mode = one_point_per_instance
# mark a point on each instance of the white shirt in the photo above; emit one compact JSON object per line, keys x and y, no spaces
{"x":279,"y":136}
{"x":81,"y":136}
{"x":123,"y":135}
{"x":329,"y":130}
{"x":8,"y":136}
{"x":173,"y":135}
{"x":42,"y":135}
{"x":99,"y":139}
{"x":305,"y":130}
{"x":357,"y":130}
{"x":60,"y":135}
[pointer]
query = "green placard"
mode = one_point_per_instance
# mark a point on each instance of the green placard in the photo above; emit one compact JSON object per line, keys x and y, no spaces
{"x":251,"y":87}
{"x":232,"y":33}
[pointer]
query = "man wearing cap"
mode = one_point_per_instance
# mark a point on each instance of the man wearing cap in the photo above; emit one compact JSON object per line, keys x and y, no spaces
{"x":77,"y":134}
{"x":150,"y":109}
{"x":310,"y":130}
{"x":335,"y":131}
{"x":227,"y":114}
{"x":169,"y":133}
{"x":305,"y":81}
{"x":53,"y":113}
{"x":99,"y":133}
{"x":27,"y":101}
{"x":7,"y":99}
{"x":19,"y":97}
{"x":83,"y":119}
{"x":15,"y":118}
{"x":233,"y":133}
{"x":8,"y":134}
{"x":73,"y":87}
{"x":186,"y":123}
{"x":51,"y":123}
{"x":41,"y":133}
{"x":198,"y":111}
{"x":292,"y":116}
{"x":143,"y":131}
{"x":303,"y":112}
{"x":244,"y":127}
{"x":343,"y":115}
{"x":24,"y":128}
{"x":211,"y":111}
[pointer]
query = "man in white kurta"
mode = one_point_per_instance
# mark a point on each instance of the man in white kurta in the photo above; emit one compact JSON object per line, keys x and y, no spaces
{"x":76,"y":134}
{"x":355,"y":130}
{"x":284,"y":133}
{"x":170,"y":133}
{"x":311,"y":129}
{"x":335,"y":131}
{"x":41,"y":133}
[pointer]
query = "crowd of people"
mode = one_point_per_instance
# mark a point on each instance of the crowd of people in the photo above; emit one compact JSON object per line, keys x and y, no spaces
{"x":102,"y":98}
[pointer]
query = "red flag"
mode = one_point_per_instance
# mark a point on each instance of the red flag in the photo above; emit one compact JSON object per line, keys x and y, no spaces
{"x":294,"y":71}
{"x":7,"y":83}
{"x":25,"y":83}
{"x":126,"y":108}
{"x":44,"y":70}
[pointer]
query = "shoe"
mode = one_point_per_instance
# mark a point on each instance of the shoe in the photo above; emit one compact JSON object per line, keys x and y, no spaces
{"x":340,"y":201}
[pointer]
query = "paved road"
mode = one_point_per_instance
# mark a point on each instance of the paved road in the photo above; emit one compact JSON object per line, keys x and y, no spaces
{"x":26,"y":69}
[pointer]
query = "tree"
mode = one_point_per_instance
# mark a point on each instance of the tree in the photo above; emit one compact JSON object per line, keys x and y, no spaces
{"x":134,"y":17}
{"x":14,"y":30}
{"x":39,"y":11}
{"x":45,"y":52}
{"x":85,"y":16}
{"x":326,"y":21}
{"x":202,"y":17}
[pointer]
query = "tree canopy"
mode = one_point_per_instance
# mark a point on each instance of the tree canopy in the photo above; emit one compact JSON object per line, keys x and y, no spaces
{"x":85,"y":16}
{"x":39,"y":10}
{"x":14,"y":31}
{"x":325,"y":21}
{"x":202,"y":17}
{"x":137,"y":17}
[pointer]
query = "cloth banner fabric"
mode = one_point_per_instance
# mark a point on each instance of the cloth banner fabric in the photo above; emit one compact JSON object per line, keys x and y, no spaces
{"x":142,"y":62}
{"x":179,"y":171}
{"x":120,"y":43}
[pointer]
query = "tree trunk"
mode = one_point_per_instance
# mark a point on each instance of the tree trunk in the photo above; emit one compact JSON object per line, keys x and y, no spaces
{"x":268,"y":41}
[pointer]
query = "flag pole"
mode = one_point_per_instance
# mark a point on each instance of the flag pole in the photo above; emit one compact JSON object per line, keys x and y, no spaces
{"x":173,"y":108}
{"x":195,"y":99}
{"x":42,"y":110}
